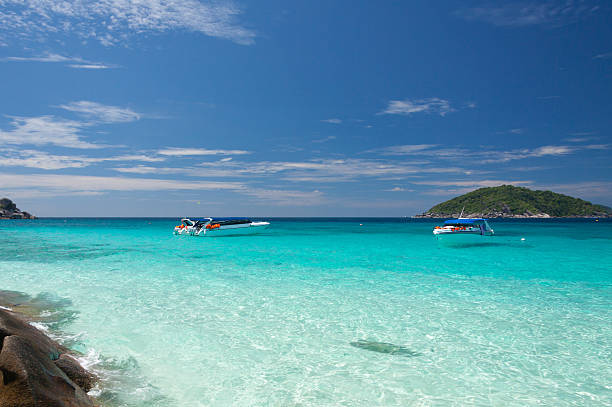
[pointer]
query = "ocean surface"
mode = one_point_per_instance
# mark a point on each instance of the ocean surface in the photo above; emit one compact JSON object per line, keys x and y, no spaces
{"x":325,"y":312}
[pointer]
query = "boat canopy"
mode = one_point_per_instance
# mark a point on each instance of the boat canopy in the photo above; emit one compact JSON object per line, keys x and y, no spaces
{"x":470,"y":221}
{"x":227,"y":219}
{"x":230,"y":221}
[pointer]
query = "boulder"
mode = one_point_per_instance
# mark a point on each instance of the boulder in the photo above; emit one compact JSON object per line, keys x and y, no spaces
{"x":12,"y":324}
{"x":7,"y":204}
{"x":31,"y":371}
{"x":30,"y":378}
{"x":76,"y":372}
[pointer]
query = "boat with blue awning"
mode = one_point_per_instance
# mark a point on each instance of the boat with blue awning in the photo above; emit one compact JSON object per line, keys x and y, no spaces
{"x":464,"y":227}
{"x":219,"y":227}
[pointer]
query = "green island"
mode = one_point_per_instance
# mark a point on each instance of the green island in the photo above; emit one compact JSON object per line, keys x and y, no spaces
{"x":507,"y":201}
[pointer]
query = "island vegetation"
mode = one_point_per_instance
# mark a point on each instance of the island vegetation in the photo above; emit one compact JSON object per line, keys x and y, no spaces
{"x":507,"y":201}
{"x":8,"y":210}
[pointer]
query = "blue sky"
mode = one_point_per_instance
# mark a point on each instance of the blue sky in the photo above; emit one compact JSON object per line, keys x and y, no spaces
{"x":270,"y":108}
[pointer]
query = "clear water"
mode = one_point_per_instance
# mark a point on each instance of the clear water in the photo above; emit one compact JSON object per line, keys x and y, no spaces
{"x":268,"y":320}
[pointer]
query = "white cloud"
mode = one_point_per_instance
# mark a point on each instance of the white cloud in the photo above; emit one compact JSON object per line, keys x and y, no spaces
{"x":100,"y":112}
{"x":45,"y":130}
{"x":324,"y":140}
{"x":45,"y":161}
{"x":75,"y":62}
{"x":472,"y":183}
{"x":81,"y":183}
{"x":91,"y":66}
{"x":179,"y":152}
{"x":51,"y":130}
{"x":550,"y":150}
{"x":483,"y":155}
{"x":112,"y":22}
{"x":332,"y":121}
{"x":406,"y":149}
{"x":48,"y":57}
{"x":318,"y":170}
{"x":396,"y":189}
{"x":606,"y":55}
{"x":526,"y":13}
{"x":407,"y":107}
{"x":287,"y":197}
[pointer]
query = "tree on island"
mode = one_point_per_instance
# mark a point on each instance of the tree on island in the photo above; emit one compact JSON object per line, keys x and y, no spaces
{"x":507,"y":201}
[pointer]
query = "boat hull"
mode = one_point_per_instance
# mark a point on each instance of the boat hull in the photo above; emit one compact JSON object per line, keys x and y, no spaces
{"x":460,"y":236}
{"x":228,"y":230}
{"x":236,"y":230}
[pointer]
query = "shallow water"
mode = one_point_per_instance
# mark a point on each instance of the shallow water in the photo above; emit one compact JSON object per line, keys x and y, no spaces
{"x":274,"y":319}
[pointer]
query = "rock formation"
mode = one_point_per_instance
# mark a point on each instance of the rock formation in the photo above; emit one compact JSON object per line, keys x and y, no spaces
{"x":37,"y":371}
{"x":8,"y":210}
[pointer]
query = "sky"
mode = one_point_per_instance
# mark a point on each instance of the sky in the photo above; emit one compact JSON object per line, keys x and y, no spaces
{"x":306,"y":108}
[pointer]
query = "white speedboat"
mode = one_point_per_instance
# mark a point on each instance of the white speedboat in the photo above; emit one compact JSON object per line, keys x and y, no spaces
{"x":464,"y":227}
{"x":219,"y":227}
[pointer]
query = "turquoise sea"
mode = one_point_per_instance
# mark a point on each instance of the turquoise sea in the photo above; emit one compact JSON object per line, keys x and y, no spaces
{"x":325,"y":312}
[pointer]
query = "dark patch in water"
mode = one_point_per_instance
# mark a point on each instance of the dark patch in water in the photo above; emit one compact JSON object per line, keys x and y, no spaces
{"x":47,"y":308}
{"x":384,"y":347}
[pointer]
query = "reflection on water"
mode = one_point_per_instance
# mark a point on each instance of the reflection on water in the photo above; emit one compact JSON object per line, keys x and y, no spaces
{"x":384,"y":347}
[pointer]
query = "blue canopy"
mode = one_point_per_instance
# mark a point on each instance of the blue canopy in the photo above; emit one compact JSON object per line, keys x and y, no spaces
{"x":464,"y":221}
{"x":224,"y":219}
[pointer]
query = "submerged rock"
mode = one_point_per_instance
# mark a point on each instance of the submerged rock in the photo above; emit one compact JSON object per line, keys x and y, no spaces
{"x":384,"y":347}
{"x":31,"y":368}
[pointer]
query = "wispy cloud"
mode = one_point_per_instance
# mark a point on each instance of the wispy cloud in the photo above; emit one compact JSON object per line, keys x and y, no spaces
{"x":72,"y":62}
{"x":605,"y":55}
{"x":179,"y":152}
{"x":46,"y":161}
{"x":287,"y":197}
{"x":91,"y":66}
{"x":472,"y":183}
{"x":316,"y":170}
{"x":332,"y":121}
{"x":581,"y":189}
{"x":100,"y":112}
{"x":483,"y":155}
{"x":113,"y":21}
{"x":45,"y":130}
{"x":526,"y":13}
{"x":52,"y":130}
{"x":458,"y":187}
{"x":324,"y":139}
{"x":81,"y":183}
{"x":406,"y":149}
{"x":407,"y":107}
{"x":60,"y":184}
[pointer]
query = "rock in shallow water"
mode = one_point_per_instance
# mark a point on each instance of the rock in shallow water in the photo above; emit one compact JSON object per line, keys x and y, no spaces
{"x":384,"y":347}
{"x":76,"y":372}
{"x":29,"y":375}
